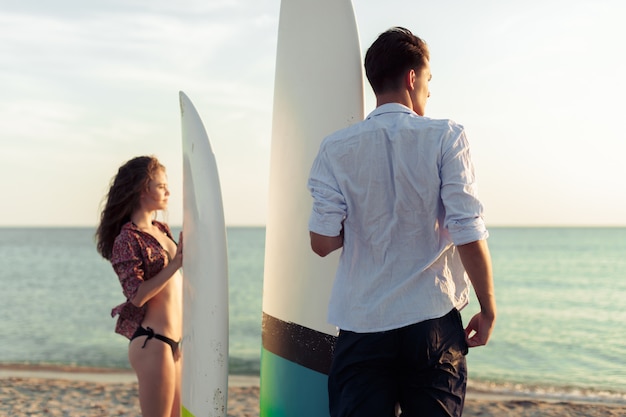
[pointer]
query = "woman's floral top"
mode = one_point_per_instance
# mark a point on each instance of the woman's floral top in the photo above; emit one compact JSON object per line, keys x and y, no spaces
{"x":136,"y":256}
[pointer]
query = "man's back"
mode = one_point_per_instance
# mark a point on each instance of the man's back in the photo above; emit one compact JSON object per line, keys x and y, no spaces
{"x":399,"y":180}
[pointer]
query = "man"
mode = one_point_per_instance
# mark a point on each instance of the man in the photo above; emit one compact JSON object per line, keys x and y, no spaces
{"x":397,"y":193}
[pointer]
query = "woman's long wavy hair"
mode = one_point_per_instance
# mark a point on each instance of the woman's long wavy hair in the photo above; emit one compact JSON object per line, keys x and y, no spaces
{"x":123,"y":198}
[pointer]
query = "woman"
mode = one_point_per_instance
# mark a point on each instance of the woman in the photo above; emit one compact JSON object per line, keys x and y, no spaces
{"x":146,"y":260}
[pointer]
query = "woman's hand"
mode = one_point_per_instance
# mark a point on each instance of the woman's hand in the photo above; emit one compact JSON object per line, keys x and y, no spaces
{"x":178,"y":258}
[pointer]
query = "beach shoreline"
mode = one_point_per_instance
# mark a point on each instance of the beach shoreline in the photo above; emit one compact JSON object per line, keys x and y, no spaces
{"x":55,"y":390}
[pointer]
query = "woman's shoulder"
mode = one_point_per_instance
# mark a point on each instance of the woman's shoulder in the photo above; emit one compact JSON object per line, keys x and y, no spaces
{"x":127,"y":234}
{"x":127,"y":245}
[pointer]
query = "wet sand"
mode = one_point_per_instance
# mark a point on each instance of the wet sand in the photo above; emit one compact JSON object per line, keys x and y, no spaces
{"x":84,"y":392}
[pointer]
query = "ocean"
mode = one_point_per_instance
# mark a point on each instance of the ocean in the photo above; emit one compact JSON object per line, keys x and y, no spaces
{"x":561,"y":296}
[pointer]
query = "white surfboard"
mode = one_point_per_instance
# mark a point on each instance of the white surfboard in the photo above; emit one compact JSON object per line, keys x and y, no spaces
{"x":205,"y":272}
{"x":318,"y":89}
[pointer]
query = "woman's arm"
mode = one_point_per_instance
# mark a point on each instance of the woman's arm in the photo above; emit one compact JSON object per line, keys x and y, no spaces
{"x":153,"y":286}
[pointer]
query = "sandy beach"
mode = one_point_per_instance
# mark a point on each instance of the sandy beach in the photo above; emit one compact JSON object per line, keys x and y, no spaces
{"x":71,"y":392}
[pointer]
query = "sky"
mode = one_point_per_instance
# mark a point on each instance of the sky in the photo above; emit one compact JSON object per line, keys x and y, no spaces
{"x":539,"y":86}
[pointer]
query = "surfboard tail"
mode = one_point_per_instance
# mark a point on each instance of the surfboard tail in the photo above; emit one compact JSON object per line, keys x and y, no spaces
{"x":295,"y":362}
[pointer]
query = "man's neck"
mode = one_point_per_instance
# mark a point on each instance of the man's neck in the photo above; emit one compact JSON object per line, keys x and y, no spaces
{"x":394,"y":97}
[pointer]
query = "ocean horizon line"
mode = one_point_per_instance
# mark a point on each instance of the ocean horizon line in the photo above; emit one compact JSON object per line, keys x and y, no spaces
{"x":262,"y":226}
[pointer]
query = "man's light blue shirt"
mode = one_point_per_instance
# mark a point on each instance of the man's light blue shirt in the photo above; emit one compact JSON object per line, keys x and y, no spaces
{"x":403,"y":188}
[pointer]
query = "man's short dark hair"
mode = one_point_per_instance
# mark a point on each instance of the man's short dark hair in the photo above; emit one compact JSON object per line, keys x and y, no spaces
{"x":395,"y":51}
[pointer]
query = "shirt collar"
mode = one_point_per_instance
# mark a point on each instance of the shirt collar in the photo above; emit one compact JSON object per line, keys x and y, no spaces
{"x":132,"y":226}
{"x":129,"y":226}
{"x":391,"y":108}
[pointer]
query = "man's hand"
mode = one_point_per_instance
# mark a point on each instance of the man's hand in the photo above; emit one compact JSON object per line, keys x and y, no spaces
{"x":479,"y":330}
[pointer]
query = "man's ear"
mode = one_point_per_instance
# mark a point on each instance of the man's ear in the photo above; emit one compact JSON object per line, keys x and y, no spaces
{"x":409,"y":78}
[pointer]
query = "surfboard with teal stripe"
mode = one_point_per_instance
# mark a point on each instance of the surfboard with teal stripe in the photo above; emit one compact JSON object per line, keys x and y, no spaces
{"x":318,"y":90}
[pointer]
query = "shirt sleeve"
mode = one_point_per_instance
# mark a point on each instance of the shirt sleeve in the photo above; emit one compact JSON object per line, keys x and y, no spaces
{"x":329,"y":206}
{"x":463,"y":211}
{"x":127,"y":263}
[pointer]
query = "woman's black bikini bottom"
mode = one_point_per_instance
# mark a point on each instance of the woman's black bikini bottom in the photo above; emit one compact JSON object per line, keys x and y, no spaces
{"x":150,"y":333}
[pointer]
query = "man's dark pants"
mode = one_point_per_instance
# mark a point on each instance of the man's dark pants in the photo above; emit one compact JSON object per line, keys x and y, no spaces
{"x":421,"y":367}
